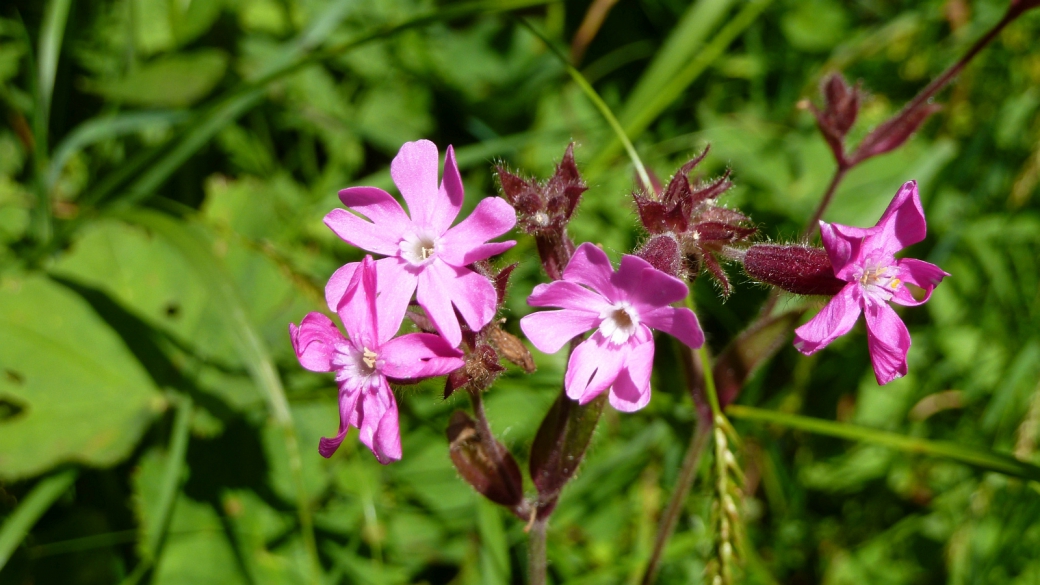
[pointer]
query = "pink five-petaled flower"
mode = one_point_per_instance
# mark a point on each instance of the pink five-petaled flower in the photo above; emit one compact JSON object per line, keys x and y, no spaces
{"x":621,"y":307}
{"x":424,"y":254}
{"x":365,"y":359}
{"x":865,"y":258}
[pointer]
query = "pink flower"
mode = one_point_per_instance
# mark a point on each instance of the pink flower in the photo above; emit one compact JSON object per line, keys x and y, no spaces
{"x":865,"y":258}
{"x":621,"y":307}
{"x":365,"y":359}
{"x":424,"y":254}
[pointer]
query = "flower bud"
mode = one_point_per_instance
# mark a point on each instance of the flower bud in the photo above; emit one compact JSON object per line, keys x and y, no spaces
{"x":841,"y":106}
{"x":495,"y":475}
{"x":893,"y":133}
{"x":559,"y":446}
{"x":802,"y":270}
{"x":663,"y":253}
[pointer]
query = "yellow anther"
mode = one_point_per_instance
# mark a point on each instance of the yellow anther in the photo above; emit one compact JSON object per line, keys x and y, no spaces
{"x":369,"y":357}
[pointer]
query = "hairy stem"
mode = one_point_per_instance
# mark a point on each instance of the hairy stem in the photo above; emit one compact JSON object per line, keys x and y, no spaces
{"x":810,"y":226}
{"x":691,"y":461}
{"x":536,"y":563}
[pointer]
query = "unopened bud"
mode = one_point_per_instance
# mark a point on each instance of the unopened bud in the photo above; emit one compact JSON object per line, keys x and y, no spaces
{"x":663,"y":253}
{"x":511,"y":348}
{"x":893,"y":133}
{"x":495,"y":475}
{"x":802,"y":270}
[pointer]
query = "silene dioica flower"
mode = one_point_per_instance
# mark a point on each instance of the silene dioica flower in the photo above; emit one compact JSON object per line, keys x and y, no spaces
{"x":865,"y":259}
{"x":424,"y":253}
{"x":620,"y":307}
{"x":366,"y":360}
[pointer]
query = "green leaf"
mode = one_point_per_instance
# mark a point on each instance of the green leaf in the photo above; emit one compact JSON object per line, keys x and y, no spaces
{"x":81,"y":393}
{"x":29,"y":510}
{"x":173,"y":81}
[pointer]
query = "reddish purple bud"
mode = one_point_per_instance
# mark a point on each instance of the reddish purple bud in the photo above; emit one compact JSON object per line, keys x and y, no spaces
{"x":893,"y":133}
{"x":802,"y":270}
{"x":841,"y":106}
{"x":717,"y":273}
{"x":496,"y":476}
{"x":658,"y":217}
{"x":455,"y":380}
{"x":715,"y":231}
{"x":663,"y":253}
{"x":544,"y":207}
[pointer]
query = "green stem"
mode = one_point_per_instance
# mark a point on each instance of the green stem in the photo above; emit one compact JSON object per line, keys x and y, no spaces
{"x":536,"y":560}
{"x":601,"y":105}
{"x":980,"y":458}
{"x":39,"y":500}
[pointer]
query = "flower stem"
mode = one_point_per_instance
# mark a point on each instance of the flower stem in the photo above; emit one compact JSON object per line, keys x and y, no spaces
{"x":810,"y":226}
{"x":536,"y":563}
{"x":683,"y":484}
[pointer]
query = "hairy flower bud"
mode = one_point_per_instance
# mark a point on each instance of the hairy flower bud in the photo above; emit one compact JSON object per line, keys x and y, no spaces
{"x":545,"y":209}
{"x":688,"y":227}
{"x":495,"y":475}
{"x":894,"y":132}
{"x":802,"y":270}
{"x":663,"y":253}
{"x":841,"y":106}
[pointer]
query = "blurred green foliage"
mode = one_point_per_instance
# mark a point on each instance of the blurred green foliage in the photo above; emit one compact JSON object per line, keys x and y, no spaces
{"x":164,"y":169}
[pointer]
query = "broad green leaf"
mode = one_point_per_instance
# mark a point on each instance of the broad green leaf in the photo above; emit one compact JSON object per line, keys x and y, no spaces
{"x":176,"y":80}
{"x":81,"y":394}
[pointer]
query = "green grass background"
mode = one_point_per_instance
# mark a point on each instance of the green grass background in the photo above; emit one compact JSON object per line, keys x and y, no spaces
{"x":164,"y":169}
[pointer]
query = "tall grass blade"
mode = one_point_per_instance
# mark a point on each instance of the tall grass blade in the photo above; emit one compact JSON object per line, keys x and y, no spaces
{"x":39,"y":500}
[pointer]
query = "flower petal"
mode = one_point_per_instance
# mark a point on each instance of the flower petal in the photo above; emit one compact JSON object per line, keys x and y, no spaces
{"x":378,"y":206}
{"x":419,"y":355}
{"x":680,"y":323}
{"x":371,"y":237}
{"x":338,"y":284}
{"x":590,"y":266}
{"x":844,"y":246}
{"x":550,"y":330}
{"x":378,"y":423}
{"x":567,"y":295}
{"x":414,"y":171}
{"x":593,"y":367}
{"x":465,"y":243}
{"x":888,"y":340}
{"x":918,"y":273}
{"x":397,"y":282}
{"x":451,"y":195}
{"x":442,"y":285}
{"x":631,"y":389}
{"x":903,"y":222}
{"x":833,"y":321}
{"x":357,"y":309}
{"x":645,"y":286}
{"x":348,"y":398}
{"x":315,"y":342}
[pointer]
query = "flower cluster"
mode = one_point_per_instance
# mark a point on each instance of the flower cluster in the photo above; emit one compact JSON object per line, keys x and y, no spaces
{"x":424,"y":255}
{"x":445,"y":268}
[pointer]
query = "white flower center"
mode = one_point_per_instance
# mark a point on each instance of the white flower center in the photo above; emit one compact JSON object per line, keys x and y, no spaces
{"x":419,"y":247}
{"x":877,"y":283}
{"x":360,"y":366}
{"x":619,"y":322}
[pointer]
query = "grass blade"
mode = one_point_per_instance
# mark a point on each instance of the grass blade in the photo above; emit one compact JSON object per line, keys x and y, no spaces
{"x":101,"y":128}
{"x":601,"y":105}
{"x":39,"y":500}
{"x":641,"y":115}
{"x":980,"y":458}
{"x":51,"y":35}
